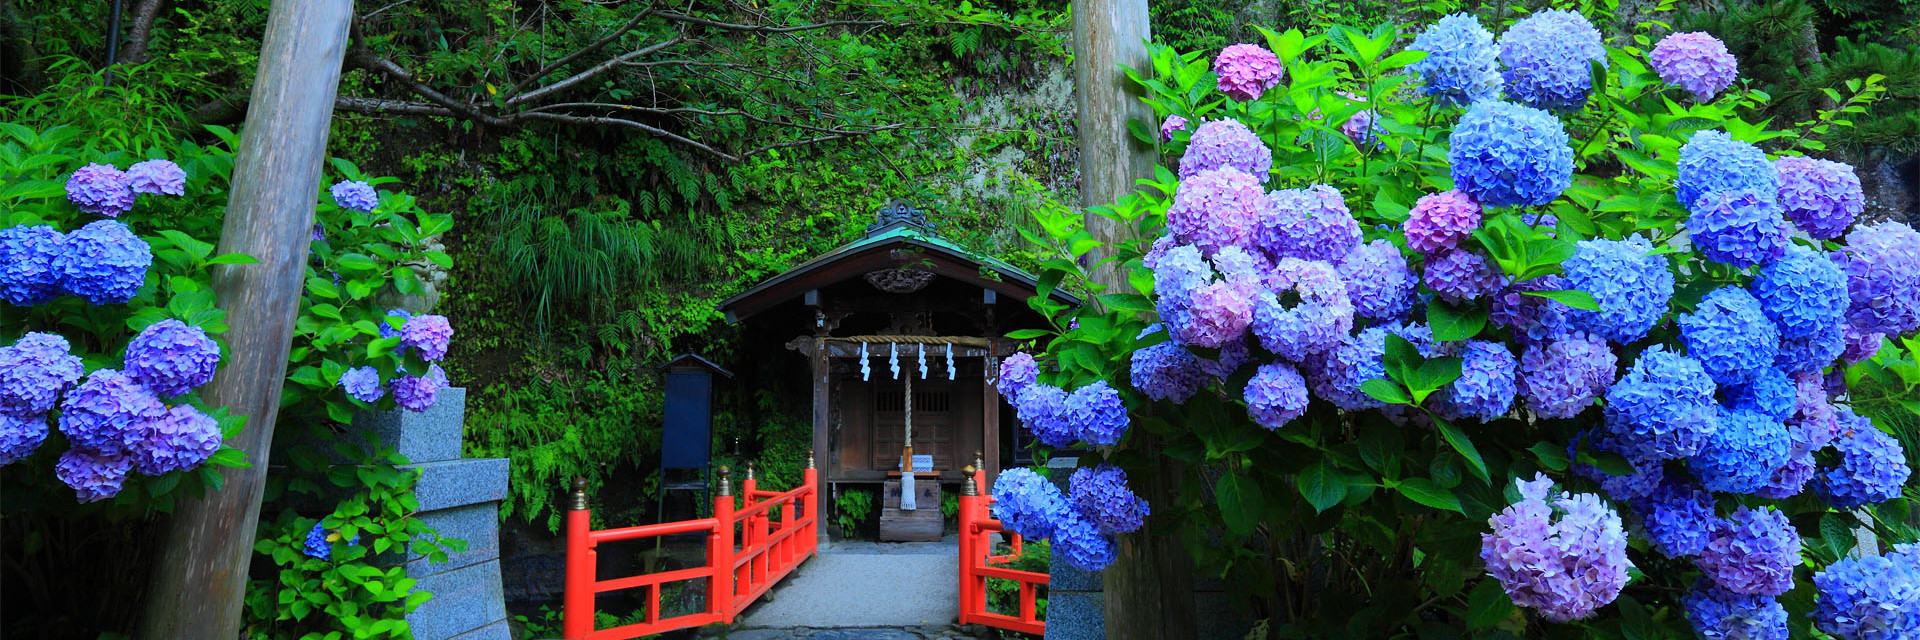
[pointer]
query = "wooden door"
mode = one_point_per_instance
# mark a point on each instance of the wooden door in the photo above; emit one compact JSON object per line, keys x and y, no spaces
{"x":935,"y":424}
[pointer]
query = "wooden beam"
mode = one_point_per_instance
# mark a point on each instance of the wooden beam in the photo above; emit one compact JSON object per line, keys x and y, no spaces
{"x":197,"y":589}
{"x":826,"y":458}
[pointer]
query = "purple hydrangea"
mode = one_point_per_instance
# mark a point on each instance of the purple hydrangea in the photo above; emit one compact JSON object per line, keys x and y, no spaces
{"x":1364,"y":129}
{"x":181,"y":440}
{"x":1216,"y":209}
{"x":355,"y":195}
{"x":1717,"y":613}
{"x":1247,"y":70}
{"x":100,"y":189}
{"x":1532,"y":318}
{"x":1870,"y":597}
{"x":1567,"y":568}
{"x":1461,"y":275}
{"x":1740,"y":454}
{"x":1790,"y":475}
{"x":1218,"y":312}
{"x":1506,"y":155}
{"x":1860,"y":345}
{"x":20,"y":436}
{"x":1630,"y":284}
{"x":93,"y":476}
{"x":319,"y":233}
{"x":1017,"y":372}
{"x":1821,"y":197}
{"x":1803,"y":293}
{"x":1224,"y":143}
{"x":1486,"y":386}
{"x":1379,"y":285}
{"x":34,"y":372}
{"x":1439,"y":221}
{"x":28,"y":254}
{"x":1309,"y":224}
{"x":391,"y":324}
{"x":1276,"y":395}
{"x":1713,"y":161}
{"x":1883,"y":277}
{"x":1752,"y":552}
{"x":428,"y":333}
{"x":1740,"y":228}
{"x":1663,"y":408}
{"x":157,"y":176}
{"x":1173,"y":123}
{"x":1770,"y":392}
{"x":1872,"y":469}
{"x":1097,"y":414}
{"x":1547,"y":59}
{"x":104,"y":263}
{"x":1337,"y":375}
{"x":417,"y":393}
{"x":1307,"y":311}
{"x":1820,"y":419}
{"x":107,"y":413}
{"x":1167,"y":371}
{"x":1678,"y":517}
{"x":363,"y":384}
{"x":1231,"y":356}
{"x":1695,"y":61}
{"x":1043,"y":409}
{"x":171,"y":358}
{"x":1027,"y":504}
{"x":1080,"y":543}
{"x":1101,"y":496}
{"x":1560,"y":378}
{"x":1461,"y":67}
{"x":1730,"y":336}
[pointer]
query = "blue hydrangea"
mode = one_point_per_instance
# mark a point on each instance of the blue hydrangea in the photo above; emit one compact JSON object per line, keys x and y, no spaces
{"x":1770,"y":393}
{"x":1740,"y":228}
{"x":1820,"y":197}
{"x":157,"y":176}
{"x":171,"y":358}
{"x":34,"y":372}
{"x":1811,"y":354}
{"x":93,"y":476}
{"x":1872,"y":469}
{"x":1486,"y":385}
{"x":100,"y":189}
{"x":355,"y":195}
{"x":430,"y":334}
{"x":179,"y":441}
{"x":1379,"y":285}
{"x":1275,"y":395}
{"x":1306,"y":313}
{"x":106,"y":413}
{"x":1245,"y":71}
{"x":20,"y":436}
{"x":417,"y":393}
{"x":1027,"y":504}
{"x":1547,"y":58}
{"x":1101,"y":496}
{"x":1017,"y":372}
{"x":1752,"y":552}
{"x":1533,"y":319}
{"x":1729,"y":335}
{"x":1080,"y":544}
{"x":104,"y":263}
{"x":1695,"y":61}
{"x":1870,"y":597}
{"x":363,"y":384}
{"x":1678,"y":517}
{"x":1462,"y":275}
{"x":1167,"y":371}
{"x":1713,"y":161}
{"x":317,"y":546}
{"x":1226,"y":143}
{"x":1337,"y":375}
{"x":1462,"y":65}
{"x":1560,"y":378}
{"x":1883,"y":277}
{"x":1663,"y":408}
{"x":1566,"y":569}
{"x":1803,"y":293}
{"x":1310,"y":224}
{"x":1739,"y":456}
{"x":1630,"y":285}
{"x":1505,"y":155}
{"x":1790,"y":475}
{"x":27,"y":258}
{"x":1216,"y":209}
{"x":1097,"y":415}
{"x":1718,"y":614}
{"x":1043,"y":409}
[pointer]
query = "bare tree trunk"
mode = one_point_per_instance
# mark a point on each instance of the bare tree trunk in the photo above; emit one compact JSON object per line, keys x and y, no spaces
{"x":199,"y":586}
{"x":141,"y":34}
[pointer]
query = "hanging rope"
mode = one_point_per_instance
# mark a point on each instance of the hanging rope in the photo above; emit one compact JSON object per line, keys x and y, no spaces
{"x":965,"y":341}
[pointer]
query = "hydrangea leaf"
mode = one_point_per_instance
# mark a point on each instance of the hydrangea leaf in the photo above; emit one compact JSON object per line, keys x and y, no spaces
{"x":1425,"y":492}
{"x":1241,"y":504}
{"x":1463,"y":446}
{"x":1322,"y":487}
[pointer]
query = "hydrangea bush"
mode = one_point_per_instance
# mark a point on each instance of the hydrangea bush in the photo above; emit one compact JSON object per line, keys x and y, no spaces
{"x":1566,"y":355}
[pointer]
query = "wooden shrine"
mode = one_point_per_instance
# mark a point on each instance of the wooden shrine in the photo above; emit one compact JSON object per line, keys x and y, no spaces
{"x":900,"y":331}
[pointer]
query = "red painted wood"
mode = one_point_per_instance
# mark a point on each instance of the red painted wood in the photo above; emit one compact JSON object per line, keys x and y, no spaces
{"x":976,"y":529}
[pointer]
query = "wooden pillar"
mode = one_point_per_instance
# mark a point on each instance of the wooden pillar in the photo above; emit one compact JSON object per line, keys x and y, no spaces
{"x":990,"y":419}
{"x":1149,"y":587}
{"x":198,"y":586}
{"x":822,"y":397}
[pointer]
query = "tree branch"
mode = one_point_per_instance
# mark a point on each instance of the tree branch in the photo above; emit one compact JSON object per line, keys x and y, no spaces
{"x":374,"y":105}
{"x":583,"y":52}
{"x":144,"y":15}
{"x":621,"y":122}
{"x":366,"y":59}
{"x":598,"y":69}
{"x":752,"y":28}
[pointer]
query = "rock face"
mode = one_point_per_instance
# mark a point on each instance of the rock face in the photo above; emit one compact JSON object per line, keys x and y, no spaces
{"x":1892,"y":185}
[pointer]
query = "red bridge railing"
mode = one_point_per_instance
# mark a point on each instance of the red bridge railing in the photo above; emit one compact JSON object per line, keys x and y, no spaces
{"x":748,"y":550}
{"x":977,"y":527}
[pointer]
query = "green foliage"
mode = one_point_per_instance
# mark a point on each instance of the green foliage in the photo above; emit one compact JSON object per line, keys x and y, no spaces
{"x":851,"y":509}
{"x":1003,"y":596}
{"x":949,"y":505}
{"x":613,"y":425}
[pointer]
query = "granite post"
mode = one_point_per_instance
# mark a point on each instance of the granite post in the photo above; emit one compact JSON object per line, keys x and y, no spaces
{"x":1076,"y":600}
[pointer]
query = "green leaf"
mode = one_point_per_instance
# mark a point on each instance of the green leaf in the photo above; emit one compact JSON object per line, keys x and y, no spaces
{"x":1386,"y":391}
{"x":233,"y":258}
{"x":1321,"y":486}
{"x":1425,"y":492}
{"x":1462,"y":446}
{"x":1029,"y":334}
{"x":1241,"y":503}
{"x":1452,"y":323}
{"x":1402,"y":360}
{"x":1551,"y":456}
{"x":357,"y":263}
{"x":1837,"y":536}
{"x":1571,"y":297}
{"x":1126,"y":302}
{"x":230,"y":458}
{"x":1488,"y":605}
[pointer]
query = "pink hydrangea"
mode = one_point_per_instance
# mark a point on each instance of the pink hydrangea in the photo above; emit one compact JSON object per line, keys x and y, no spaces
{"x":1247,"y":70}
{"x":1226,"y":143}
{"x":1695,"y":61}
{"x":1217,"y":209}
{"x":1439,"y":221}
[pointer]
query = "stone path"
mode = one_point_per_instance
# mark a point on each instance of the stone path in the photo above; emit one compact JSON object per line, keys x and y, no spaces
{"x":863,"y":590}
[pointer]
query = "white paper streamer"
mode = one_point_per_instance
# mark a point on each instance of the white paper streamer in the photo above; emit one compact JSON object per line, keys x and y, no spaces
{"x":866,"y":367}
{"x":893,"y":359}
{"x":951,"y":372}
{"x":923,"y":362}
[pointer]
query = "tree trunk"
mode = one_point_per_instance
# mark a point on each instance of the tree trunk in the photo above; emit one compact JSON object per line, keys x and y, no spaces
{"x":1149,"y":586}
{"x":199,"y":585}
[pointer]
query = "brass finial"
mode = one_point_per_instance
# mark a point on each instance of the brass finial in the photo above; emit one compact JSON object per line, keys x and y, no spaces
{"x":726,"y":481}
{"x":579,"y":495}
{"x":968,"y":489}
{"x":809,"y":458}
{"x":979,"y":462}
{"x":749,"y":470}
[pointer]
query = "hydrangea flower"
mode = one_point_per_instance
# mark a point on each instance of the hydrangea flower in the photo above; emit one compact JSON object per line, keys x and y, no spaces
{"x":93,"y":476}
{"x":1729,"y":335}
{"x":1101,"y":496}
{"x":1309,"y":224}
{"x":1247,"y":70}
{"x":1624,"y":488}
{"x":1739,"y":456}
{"x":1364,"y":129}
{"x":1461,"y":275}
{"x":1173,"y":123}
{"x":1439,"y":221}
{"x":34,"y":372}
{"x":1803,"y":293}
{"x":1097,"y":414}
{"x":1873,"y":467}
{"x":171,"y":358}
{"x":1506,"y":155}
{"x":1678,"y":518}
{"x":1043,"y":409}
{"x":1078,"y":542}
{"x":1820,"y":197}
{"x":1226,"y":143}
{"x":1027,"y":504}
{"x":1560,"y":378}
{"x":1232,"y":355}
{"x":1716,"y":613}
{"x":1870,"y":597}
{"x":1630,"y":285}
{"x":1811,"y":354}
{"x":1167,"y":371}
{"x":417,"y":393}
{"x":1379,"y":285}
{"x":1695,"y":61}
{"x":1820,"y":419}
{"x":363,"y":384}
{"x":20,"y":436}
{"x":181,"y":440}
{"x":1337,"y":375}
{"x":1461,"y":67}
{"x":1216,"y":209}
{"x":1740,"y":228}
{"x":1567,"y":568}
{"x":1486,"y":386}
{"x":319,"y":544}
{"x":104,"y":263}
{"x":1547,"y":57}
{"x":1307,"y":312}
{"x":1663,"y":408}
{"x":1860,"y":345}
{"x":1533,"y":319}
{"x":157,"y":176}
{"x":1713,"y":161}
{"x":1276,"y":395}
{"x":106,"y":413}
{"x":1752,"y":552}
{"x":429,"y":333}
{"x":1770,"y":393}
{"x":1017,"y":372}
{"x":27,"y":257}
{"x":1883,"y":277}
{"x":100,"y":189}
{"x":1218,"y":313}
{"x":355,"y":195}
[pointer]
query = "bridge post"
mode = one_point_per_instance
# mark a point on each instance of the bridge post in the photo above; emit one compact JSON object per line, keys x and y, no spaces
{"x":811,"y":477}
{"x":577,"y":605}
{"x":969,"y":513}
{"x":720,"y":551}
